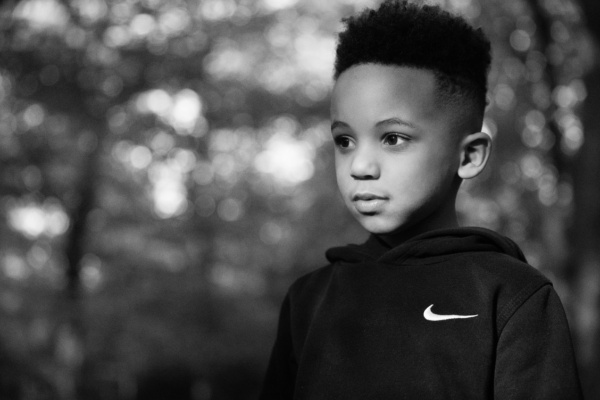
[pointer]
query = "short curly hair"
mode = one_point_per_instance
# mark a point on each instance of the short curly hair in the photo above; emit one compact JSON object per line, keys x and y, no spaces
{"x":420,"y":36}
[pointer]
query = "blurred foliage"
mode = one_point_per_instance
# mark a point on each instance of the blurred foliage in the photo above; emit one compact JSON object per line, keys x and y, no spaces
{"x":166,"y":172}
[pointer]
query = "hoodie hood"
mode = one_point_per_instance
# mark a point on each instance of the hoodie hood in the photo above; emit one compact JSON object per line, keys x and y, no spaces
{"x":427,"y":248}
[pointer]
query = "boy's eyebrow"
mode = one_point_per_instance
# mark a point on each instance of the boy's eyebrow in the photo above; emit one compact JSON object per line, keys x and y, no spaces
{"x":338,"y":124}
{"x":393,"y":120}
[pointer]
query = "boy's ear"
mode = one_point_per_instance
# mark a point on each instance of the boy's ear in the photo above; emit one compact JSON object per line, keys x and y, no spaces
{"x":475,"y":152}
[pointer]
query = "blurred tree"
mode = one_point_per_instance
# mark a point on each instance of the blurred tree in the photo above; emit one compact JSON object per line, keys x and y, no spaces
{"x":161,"y":228}
{"x":165,"y":173}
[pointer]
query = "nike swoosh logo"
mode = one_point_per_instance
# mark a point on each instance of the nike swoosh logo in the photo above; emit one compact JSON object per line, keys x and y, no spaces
{"x":431,"y":316}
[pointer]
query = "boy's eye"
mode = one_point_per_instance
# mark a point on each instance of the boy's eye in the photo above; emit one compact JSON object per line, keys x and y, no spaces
{"x":393,"y":139}
{"x":343,"y":142}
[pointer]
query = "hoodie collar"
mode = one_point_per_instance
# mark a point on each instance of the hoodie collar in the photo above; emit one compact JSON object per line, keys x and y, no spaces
{"x":428,"y":247}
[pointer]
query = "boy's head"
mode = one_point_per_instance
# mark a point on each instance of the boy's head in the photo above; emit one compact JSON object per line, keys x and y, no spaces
{"x":407,"y":109}
{"x":420,"y":36}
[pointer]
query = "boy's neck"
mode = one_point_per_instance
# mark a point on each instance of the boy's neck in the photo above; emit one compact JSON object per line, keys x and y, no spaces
{"x":439,"y":220}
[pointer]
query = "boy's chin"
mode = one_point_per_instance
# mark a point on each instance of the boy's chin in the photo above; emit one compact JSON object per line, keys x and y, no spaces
{"x":379,"y":227}
{"x":398,"y":228}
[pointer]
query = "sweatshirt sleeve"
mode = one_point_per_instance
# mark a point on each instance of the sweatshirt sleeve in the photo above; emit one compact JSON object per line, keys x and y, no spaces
{"x":535,"y":358}
{"x":281,"y":371}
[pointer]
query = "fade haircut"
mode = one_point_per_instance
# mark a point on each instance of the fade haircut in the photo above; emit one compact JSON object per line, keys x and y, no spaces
{"x":420,"y":36}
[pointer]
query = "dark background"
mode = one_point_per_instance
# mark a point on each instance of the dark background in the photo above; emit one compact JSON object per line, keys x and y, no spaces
{"x":166,"y":173}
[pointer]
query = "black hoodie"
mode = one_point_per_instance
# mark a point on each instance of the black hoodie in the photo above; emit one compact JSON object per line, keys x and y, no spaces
{"x":450,"y":314}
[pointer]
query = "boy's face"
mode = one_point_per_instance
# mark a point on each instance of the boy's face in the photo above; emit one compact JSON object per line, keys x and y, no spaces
{"x":397,"y":151}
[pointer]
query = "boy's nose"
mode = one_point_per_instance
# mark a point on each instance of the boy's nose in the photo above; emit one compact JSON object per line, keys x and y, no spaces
{"x":364,"y":165}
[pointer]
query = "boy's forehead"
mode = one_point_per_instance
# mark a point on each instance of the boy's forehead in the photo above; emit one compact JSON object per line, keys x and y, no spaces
{"x":377,"y":88}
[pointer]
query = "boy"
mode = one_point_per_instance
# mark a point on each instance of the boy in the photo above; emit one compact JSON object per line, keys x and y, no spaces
{"x":424,"y":309}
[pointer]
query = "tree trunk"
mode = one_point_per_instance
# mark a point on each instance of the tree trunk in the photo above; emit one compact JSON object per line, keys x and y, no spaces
{"x":586,"y":222}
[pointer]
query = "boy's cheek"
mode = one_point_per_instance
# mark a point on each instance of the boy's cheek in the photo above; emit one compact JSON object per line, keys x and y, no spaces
{"x":343,"y":184}
{"x":341,"y":173}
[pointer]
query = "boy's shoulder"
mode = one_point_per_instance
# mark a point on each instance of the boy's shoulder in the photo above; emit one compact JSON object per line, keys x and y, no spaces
{"x":500,"y":262}
{"x":510,"y":267}
{"x":310,"y":287}
{"x":507,"y":280}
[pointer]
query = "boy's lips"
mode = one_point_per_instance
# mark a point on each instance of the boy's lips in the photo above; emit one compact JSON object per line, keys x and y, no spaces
{"x":368,"y":203}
